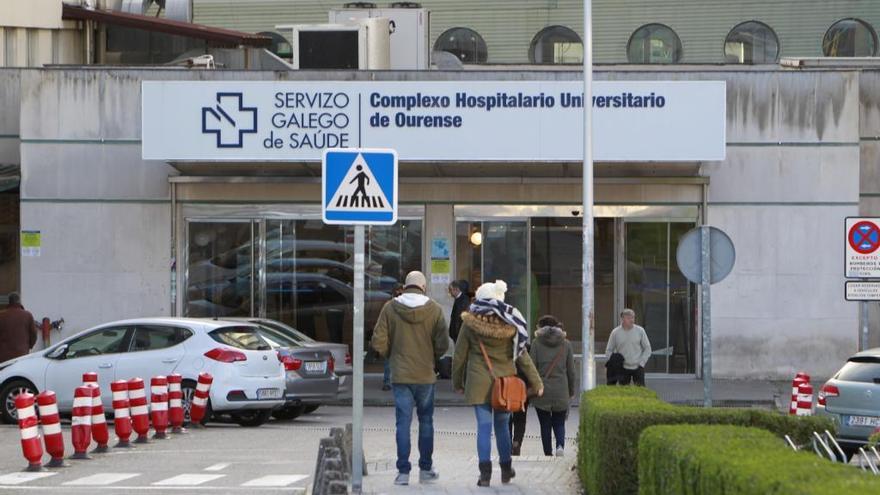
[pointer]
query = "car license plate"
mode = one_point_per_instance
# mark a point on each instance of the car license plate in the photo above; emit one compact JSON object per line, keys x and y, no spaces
{"x":871,"y":421}
{"x":316,"y":366}
{"x":268,"y":393}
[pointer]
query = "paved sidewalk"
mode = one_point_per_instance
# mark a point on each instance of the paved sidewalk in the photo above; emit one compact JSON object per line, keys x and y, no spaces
{"x":455,"y":457}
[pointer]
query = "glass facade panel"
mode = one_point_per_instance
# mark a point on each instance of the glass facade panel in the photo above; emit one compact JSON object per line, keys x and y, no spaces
{"x":219,"y":280}
{"x":556,"y":45}
{"x":464,"y":43}
{"x":850,"y":38}
{"x":654,"y":44}
{"x":751,"y":43}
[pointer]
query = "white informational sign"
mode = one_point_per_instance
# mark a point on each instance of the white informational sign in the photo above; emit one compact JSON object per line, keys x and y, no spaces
{"x":862,"y":291}
{"x":359,"y":187}
{"x":434,"y":121}
{"x":862,"y":259}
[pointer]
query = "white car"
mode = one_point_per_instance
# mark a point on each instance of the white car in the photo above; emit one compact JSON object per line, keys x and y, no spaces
{"x":249,"y":378}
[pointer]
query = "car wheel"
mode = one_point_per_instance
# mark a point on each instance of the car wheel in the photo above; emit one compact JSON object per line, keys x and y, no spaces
{"x":9,"y":393}
{"x":188,"y":388}
{"x":310,"y":409}
{"x":252,"y":418}
{"x":288,"y":413}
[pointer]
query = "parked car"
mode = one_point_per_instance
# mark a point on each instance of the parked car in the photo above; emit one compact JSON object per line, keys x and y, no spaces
{"x":249,"y":378}
{"x":309,"y":394}
{"x":852,"y":399}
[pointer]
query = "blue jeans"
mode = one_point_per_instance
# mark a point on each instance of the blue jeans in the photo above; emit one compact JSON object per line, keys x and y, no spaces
{"x":386,"y":375}
{"x":485,"y":419}
{"x":420,"y":397}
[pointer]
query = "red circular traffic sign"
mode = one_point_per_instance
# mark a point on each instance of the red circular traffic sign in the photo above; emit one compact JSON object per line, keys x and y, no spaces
{"x":864,"y":237}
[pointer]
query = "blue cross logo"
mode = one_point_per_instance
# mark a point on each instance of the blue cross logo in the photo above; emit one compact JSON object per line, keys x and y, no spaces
{"x":229,"y":120}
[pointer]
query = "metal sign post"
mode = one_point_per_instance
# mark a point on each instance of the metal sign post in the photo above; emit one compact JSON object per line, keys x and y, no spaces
{"x":705,"y":309}
{"x":588,"y":331}
{"x":357,"y":394}
{"x":359,"y":188}
{"x":862,"y":262}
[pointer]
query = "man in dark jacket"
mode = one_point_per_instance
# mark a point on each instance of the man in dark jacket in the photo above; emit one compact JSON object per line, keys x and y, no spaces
{"x":459,"y":305}
{"x":18,"y":330}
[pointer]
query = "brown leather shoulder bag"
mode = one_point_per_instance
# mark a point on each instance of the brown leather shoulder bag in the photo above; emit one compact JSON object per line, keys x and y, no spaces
{"x":508,"y":392}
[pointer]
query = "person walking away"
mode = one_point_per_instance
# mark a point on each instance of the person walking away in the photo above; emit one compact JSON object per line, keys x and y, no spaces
{"x":412,"y":334}
{"x":631,"y":341}
{"x":386,"y":363}
{"x":554,"y":358}
{"x":491,"y":332}
{"x":18,"y":330}
{"x":460,"y":304}
{"x":518,"y":418}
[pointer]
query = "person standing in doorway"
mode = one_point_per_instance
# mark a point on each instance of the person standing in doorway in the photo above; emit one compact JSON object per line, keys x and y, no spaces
{"x":554,"y":358}
{"x":18,"y":330}
{"x":412,"y":334}
{"x":460,"y":303}
{"x":494,"y":334}
{"x":631,"y":341}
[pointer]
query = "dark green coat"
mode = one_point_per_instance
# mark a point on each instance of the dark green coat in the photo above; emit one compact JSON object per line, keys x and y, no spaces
{"x":469,"y":369}
{"x":561,"y":385}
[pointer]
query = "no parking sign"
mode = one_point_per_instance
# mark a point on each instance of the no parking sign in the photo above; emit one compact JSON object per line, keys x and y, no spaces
{"x":862,"y":247}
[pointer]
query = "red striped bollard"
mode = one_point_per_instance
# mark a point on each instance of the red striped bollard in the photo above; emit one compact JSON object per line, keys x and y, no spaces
{"x":100,"y":433}
{"x":30,"y":432}
{"x":140,"y":416}
{"x":175,"y":403}
{"x":805,"y":400}
{"x":121,"y":414}
{"x":159,"y":406}
{"x":792,"y":409}
{"x":81,"y":423}
{"x":51,"y":422}
{"x":90,"y":379}
{"x":199,"y":403}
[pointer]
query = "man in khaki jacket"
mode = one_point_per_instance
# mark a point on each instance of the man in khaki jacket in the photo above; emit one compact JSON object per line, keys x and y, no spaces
{"x":412,"y":334}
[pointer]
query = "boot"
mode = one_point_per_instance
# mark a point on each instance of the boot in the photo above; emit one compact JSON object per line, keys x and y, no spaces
{"x":517,"y":447}
{"x":485,"y":474}
{"x":507,"y":472}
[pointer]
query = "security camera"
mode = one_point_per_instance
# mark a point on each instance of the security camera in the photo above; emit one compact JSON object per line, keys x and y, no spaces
{"x":575,"y":213}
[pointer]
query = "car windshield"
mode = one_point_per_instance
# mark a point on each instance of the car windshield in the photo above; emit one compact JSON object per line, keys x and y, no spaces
{"x":247,"y":338}
{"x":866,"y":370}
{"x":291,"y":332}
{"x":277,"y":337}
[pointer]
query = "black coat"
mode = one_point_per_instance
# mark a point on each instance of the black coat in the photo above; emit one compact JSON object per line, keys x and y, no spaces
{"x":459,"y":306}
{"x":614,"y":371}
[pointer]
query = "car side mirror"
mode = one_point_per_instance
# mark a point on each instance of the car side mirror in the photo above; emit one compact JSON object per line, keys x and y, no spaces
{"x":58,"y":353}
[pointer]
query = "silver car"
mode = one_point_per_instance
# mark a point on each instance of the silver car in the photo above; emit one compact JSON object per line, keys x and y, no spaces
{"x":852,"y":399}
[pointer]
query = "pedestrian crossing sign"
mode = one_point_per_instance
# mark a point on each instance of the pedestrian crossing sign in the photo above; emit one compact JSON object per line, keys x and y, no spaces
{"x":359,"y":186}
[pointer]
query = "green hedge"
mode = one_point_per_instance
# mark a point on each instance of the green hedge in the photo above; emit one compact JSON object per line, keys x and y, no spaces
{"x":612,"y":418}
{"x":709,"y":460}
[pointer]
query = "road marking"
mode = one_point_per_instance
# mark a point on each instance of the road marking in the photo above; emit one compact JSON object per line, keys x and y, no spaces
{"x":19,"y":478}
{"x":102,"y":479}
{"x":189,"y":479}
{"x":218,"y":467}
{"x":276,"y":480}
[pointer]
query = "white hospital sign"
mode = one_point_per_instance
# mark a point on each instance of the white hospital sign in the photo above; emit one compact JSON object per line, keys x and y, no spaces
{"x":433,"y":121}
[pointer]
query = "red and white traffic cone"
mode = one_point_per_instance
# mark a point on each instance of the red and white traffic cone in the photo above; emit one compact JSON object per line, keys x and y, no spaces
{"x":805,"y":400}
{"x":792,"y":410}
{"x":100,"y":433}
{"x":81,"y":424}
{"x":159,"y":406}
{"x":30,"y":431}
{"x":121,"y":414}
{"x":199,"y":404}
{"x":175,"y":403}
{"x":90,"y":379}
{"x":51,"y":422}
{"x":140,"y":416}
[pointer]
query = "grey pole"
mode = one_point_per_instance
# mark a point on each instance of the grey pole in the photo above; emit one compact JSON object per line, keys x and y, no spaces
{"x":863,"y":337}
{"x":705,"y":313}
{"x":357,"y":344}
{"x":588,"y":331}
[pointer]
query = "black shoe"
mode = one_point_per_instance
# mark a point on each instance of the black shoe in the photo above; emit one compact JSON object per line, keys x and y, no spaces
{"x":386,"y":388}
{"x":515,"y":450}
{"x":485,"y":474}
{"x":507,"y":472}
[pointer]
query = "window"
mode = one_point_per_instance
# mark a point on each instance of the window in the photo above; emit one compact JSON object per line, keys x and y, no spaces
{"x":751,"y":42}
{"x":654,"y":44}
{"x":247,"y":338}
{"x":850,"y":38}
{"x":152,"y":337}
{"x":280,"y":46}
{"x":556,"y":45}
{"x":106,"y":341}
{"x":464,"y":43}
{"x":865,"y":370}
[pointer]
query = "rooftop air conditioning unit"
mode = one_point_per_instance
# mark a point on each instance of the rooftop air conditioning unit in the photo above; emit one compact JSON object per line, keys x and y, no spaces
{"x":363,"y":45}
{"x":409,"y":25}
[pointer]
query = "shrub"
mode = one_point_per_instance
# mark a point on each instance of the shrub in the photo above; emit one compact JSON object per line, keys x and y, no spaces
{"x":612,"y":418}
{"x":733,"y":460}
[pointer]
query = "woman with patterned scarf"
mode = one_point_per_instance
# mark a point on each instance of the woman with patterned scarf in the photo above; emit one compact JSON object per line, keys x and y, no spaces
{"x":500,"y":329}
